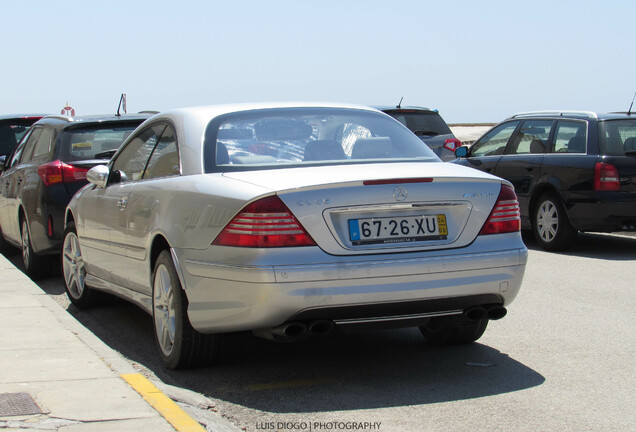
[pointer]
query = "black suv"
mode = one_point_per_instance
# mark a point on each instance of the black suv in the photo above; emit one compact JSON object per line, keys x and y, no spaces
{"x":572,"y":171}
{"x":43,"y":173}
{"x":429,"y":126}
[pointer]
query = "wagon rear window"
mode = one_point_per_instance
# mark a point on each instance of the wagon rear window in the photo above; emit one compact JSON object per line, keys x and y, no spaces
{"x":617,"y":137}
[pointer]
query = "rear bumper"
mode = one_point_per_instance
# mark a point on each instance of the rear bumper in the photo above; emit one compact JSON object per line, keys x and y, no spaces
{"x":227,"y":298}
{"x":612,"y":212}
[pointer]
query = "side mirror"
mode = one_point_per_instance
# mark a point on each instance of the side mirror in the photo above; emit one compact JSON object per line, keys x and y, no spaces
{"x":98,"y":175}
{"x":461,"y":152}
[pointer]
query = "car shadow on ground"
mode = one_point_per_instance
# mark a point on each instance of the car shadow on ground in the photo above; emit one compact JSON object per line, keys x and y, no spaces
{"x":336,"y":372}
{"x":615,"y":247}
{"x":345,"y":372}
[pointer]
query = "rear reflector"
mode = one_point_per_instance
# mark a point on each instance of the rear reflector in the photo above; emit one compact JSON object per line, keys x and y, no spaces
{"x":505,"y":216}
{"x":606,"y":177}
{"x":263,"y":224}
{"x":60,"y":172}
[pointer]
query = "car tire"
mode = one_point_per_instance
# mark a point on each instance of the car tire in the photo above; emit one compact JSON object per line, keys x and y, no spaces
{"x":74,"y":272}
{"x":550,"y":224}
{"x":439,"y":331}
{"x":35,"y":266}
{"x":180,"y":345}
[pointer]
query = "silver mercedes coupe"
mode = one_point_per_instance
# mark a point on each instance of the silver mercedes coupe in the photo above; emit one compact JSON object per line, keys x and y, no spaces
{"x":291,"y":220}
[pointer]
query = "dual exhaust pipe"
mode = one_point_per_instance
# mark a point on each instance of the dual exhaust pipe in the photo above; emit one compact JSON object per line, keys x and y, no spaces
{"x":493,"y":312}
{"x":296,"y":330}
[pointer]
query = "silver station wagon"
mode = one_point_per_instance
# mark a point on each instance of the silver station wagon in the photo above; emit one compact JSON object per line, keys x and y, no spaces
{"x":291,"y":220}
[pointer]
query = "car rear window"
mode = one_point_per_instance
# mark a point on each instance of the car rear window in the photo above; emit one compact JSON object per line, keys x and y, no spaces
{"x":421,"y":122}
{"x":11,"y":132}
{"x":292,"y":137}
{"x":93,"y":142}
{"x":617,"y":137}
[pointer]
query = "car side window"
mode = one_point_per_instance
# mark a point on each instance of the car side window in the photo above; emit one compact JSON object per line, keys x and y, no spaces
{"x":495,"y":141}
{"x":43,"y":145}
{"x":570,"y":137}
{"x":30,"y":145}
{"x":531,"y":138}
{"x":14,"y":157}
{"x":165,"y":158}
{"x":131,"y":162}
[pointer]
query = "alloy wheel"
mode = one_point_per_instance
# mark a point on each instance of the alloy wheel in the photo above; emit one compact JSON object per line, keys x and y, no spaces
{"x":73,"y":266}
{"x":547,"y":221}
{"x":164,"y":309}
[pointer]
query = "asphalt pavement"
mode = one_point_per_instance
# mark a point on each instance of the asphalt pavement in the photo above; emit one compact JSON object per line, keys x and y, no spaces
{"x":57,"y":375}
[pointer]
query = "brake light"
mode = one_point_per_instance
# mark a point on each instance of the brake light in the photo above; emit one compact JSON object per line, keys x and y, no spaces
{"x":397,"y":181}
{"x":505,"y":217}
{"x":606,"y":177}
{"x":60,"y":172}
{"x":263,"y":224}
{"x":452,"y":144}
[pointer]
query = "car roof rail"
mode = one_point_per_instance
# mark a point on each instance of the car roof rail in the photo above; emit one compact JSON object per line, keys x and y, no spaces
{"x":561,"y":113}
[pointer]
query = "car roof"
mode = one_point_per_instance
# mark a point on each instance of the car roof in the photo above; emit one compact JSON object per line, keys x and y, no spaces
{"x":211,"y":111}
{"x":575,"y":114}
{"x":91,"y":119}
{"x":403,"y":108}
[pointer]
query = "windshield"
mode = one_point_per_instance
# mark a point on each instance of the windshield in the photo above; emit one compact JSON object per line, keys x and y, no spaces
{"x":93,"y":142}
{"x":291,"y":137}
{"x":618,"y":137}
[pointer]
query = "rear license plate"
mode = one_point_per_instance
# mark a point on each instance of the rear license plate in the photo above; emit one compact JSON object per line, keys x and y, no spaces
{"x":403,"y":229}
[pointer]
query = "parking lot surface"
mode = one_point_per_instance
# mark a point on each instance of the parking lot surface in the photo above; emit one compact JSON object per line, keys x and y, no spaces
{"x":561,"y":360}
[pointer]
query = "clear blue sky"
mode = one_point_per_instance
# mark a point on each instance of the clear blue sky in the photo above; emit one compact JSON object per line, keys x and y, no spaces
{"x":475,"y":61}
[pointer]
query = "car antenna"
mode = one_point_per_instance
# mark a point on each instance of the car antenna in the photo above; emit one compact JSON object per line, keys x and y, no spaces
{"x":122,"y":101}
{"x":399,"y":105}
{"x":629,"y":111}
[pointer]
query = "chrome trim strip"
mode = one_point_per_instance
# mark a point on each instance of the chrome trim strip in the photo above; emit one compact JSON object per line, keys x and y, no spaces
{"x":395,"y":207}
{"x":396,"y":318}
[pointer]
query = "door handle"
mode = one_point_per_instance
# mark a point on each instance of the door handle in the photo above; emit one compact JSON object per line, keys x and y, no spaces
{"x":122,"y":203}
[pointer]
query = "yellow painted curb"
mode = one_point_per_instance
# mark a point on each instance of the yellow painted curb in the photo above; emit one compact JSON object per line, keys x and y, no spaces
{"x":172,"y":412}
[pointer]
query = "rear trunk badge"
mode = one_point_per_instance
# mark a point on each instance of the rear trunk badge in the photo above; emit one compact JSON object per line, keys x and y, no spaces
{"x":400,"y":193}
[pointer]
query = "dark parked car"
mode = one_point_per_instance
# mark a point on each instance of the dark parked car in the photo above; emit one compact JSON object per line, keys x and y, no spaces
{"x":572,"y":171}
{"x":43,"y":173}
{"x":12,"y":129}
{"x":429,"y":126}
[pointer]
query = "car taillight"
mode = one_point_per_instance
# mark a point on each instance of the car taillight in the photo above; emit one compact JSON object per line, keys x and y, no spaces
{"x":452,"y":144}
{"x":262,"y":224}
{"x":60,"y":172}
{"x":606,"y":177}
{"x":505,"y":217}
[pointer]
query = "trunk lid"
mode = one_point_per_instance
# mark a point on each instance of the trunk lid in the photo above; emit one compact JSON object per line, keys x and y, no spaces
{"x":373,"y":208}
